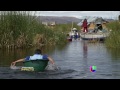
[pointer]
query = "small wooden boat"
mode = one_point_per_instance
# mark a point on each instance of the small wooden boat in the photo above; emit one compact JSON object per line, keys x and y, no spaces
{"x":34,"y":65}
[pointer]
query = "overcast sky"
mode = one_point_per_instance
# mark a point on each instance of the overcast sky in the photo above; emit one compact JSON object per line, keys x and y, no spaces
{"x":80,"y":14}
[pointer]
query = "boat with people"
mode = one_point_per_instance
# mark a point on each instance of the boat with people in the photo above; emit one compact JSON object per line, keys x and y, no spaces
{"x":37,"y":62}
{"x":74,"y":33}
{"x":94,"y":30}
{"x":39,"y":65}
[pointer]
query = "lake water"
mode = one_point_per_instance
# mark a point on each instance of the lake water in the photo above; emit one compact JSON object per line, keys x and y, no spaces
{"x":74,"y":61}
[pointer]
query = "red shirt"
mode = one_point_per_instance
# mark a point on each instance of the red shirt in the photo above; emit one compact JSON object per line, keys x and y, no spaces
{"x":85,"y":23}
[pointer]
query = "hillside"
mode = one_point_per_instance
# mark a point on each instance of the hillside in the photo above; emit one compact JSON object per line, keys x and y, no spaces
{"x":62,"y":20}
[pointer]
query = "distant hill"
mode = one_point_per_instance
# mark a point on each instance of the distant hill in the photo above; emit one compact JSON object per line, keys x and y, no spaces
{"x":109,"y":20}
{"x":62,"y":20}
{"x":59,"y":20}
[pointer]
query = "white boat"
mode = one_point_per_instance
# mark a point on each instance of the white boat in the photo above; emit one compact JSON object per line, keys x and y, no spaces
{"x":94,"y":36}
{"x":98,"y":31}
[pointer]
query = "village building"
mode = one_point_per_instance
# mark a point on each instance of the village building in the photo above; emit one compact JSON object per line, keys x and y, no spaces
{"x":49,"y":23}
{"x":45,"y":23}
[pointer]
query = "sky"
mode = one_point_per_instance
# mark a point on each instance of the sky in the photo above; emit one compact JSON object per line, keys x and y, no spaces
{"x":80,"y":14}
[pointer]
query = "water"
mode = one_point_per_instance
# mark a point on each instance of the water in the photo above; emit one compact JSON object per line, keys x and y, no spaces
{"x":74,"y":61}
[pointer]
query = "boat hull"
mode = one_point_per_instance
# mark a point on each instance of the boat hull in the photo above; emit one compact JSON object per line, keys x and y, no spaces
{"x":38,"y":65}
{"x":94,"y":36}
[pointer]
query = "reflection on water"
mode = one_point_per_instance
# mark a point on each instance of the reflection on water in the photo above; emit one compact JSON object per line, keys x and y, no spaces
{"x":85,"y":49}
{"x":7,"y":56}
{"x":74,"y":60}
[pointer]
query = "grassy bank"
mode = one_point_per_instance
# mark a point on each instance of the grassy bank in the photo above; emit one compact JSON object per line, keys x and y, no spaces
{"x":66,"y":28}
{"x":18,"y":29}
{"x":113,"y":41}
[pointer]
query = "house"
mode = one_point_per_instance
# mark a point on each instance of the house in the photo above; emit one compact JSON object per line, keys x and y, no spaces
{"x":45,"y":23}
{"x":50,"y":23}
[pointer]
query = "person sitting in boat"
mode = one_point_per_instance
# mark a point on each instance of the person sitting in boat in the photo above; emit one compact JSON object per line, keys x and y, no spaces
{"x":98,"y":27}
{"x":75,"y":36}
{"x":37,"y":55}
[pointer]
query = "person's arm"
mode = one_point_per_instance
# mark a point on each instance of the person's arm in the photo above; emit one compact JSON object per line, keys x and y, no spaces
{"x":20,"y":60}
{"x":51,"y":60}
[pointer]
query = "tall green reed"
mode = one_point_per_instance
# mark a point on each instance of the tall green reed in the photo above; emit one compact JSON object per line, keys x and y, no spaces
{"x":113,"y":41}
{"x":19,"y":29}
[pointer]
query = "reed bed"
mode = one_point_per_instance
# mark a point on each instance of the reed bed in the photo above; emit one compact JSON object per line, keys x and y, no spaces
{"x":19,"y":29}
{"x":113,"y":41}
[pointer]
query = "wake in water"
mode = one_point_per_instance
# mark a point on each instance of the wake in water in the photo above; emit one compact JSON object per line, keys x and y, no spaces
{"x":15,"y":67}
{"x":50,"y":67}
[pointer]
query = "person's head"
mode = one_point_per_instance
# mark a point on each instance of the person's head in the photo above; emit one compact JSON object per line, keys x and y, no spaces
{"x":38,"y":51}
{"x":85,"y":19}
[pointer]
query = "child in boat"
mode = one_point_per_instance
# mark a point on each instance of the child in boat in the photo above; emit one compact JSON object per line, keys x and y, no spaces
{"x":37,"y":55}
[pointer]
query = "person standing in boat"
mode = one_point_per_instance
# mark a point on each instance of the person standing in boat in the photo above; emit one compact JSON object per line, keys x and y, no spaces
{"x":84,"y":25}
{"x":37,"y":55}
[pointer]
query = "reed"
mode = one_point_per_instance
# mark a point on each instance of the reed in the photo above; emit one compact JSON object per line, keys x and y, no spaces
{"x":66,"y":28}
{"x":113,"y":41}
{"x":19,"y":29}
{"x":13,"y":26}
